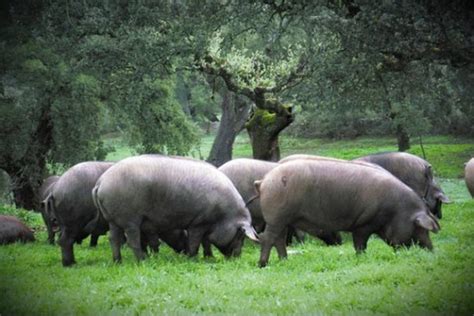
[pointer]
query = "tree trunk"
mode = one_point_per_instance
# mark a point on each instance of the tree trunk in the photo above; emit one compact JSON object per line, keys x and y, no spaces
{"x":235,"y":111}
{"x":27,"y":173}
{"x":403,"y":138}
{"x":264,"y":127}
{"x":26,"y":176}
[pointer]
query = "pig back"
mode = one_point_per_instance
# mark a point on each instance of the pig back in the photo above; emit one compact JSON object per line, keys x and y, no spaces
{"x":331,"y":195}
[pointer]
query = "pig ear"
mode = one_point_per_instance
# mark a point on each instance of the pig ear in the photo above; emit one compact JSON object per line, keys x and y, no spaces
{"x":250,"y":232}
{"x":257,"y":186}
{"x":427,"y":222}
{"x":443,"y":198}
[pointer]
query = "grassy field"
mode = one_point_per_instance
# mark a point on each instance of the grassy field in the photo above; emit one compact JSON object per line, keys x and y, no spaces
{"x":314,"y":280}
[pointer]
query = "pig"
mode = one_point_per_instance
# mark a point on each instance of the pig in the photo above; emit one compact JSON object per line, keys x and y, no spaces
{"x":13,"y":230}
{"x":331,"y":238}
{"x":469,"y":176}
{"x":70,"y":204}
{"x":415,"y":172}
{"x":314,"y":195}
{"x":243,"y":173}
{"x":172,"y":193}
{"x":43,"y":192}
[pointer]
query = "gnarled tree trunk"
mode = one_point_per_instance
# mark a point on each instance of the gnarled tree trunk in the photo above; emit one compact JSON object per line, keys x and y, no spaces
{"x":27,"y":173}
{"x":403,"y":138}
{"x":235,"y":111}
{"x":264,"y":127}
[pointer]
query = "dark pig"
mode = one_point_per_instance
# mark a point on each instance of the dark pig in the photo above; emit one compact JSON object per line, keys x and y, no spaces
{"x":70,"y":204}
{"x":13,"y":230}
{"x":172,"y":193}
{"x":415,"y":172}
{"x":317,"y":196}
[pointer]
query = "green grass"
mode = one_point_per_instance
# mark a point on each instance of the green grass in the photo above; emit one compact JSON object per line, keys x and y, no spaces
{"x":314,"y":280}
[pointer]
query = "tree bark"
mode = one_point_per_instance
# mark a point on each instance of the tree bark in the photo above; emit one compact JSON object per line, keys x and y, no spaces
{"x":235,"y":111}
{"x":271,"y":116}
{"x":403,"y":138}
{"x":27,"y":173}
{"x":264,"y":128}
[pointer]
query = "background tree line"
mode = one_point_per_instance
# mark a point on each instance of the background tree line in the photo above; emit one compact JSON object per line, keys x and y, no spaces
{"x":156,"y":70}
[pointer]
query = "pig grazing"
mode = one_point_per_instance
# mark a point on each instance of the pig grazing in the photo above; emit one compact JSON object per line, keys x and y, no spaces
{"x":469,"y":176}
{"x":415,"y":172}
{"x":70,"y":204}
{"x":44,"y":190}
{"x":314,"y":195}
{"x":172,"y":193}
{"x":12,"y":230}
{"x":243,"y":173}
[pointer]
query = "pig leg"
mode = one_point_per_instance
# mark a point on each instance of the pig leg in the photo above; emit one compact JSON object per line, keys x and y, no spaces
{"x":153,"y":242}
{"x":330,"y":238}
{"x":267,"y":240}
{"x":280,"y":244}
{"x":143,"y":241}
{"x":206,"y":245}
{"x":133,"y":239}
{"x":291,"y":232}
{"x":94,"y":238}
{"x":49,"y":228}
{"x":195,"y":237}
{"x":299,"y":235}
{"x":360,"y":237}
{"x":66,"y":242}
{"x":116,"y":238}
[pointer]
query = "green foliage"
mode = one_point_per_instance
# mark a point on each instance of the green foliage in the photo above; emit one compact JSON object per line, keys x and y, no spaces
{"x":40,"y":88}
{"x":198,"y":98}
{"x":160,"y":125}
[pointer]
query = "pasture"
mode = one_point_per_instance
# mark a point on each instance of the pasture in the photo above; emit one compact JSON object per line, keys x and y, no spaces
{"x":315,"y":279}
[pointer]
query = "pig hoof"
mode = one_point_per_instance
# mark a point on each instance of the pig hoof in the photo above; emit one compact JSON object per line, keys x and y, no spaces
{"x":68,"y":263}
